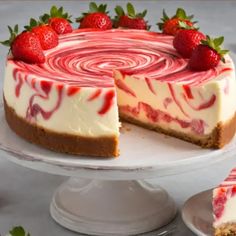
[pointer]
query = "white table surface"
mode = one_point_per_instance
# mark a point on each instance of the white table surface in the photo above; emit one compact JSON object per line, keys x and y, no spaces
{"x":25,"y":194}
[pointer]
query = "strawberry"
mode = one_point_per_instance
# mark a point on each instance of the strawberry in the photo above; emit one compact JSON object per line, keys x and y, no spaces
{"x":207,"y":55}
{"x":186,"y":40}
{"x":58,"y":20}
{"x":130,"y":19}
{"x":47,"y":36}
{"x":60,"y":25}
{"x":97,"y":17}
{"x":25,"y":46}
{"x":123,"y":22}
{"x":171,"y":25}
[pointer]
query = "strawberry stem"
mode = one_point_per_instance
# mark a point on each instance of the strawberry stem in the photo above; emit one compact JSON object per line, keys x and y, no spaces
{"x":55,"y":12}
{"x":93,"y":8}
{"x":33,"y":23}
{"x":13,"y":34}
{"x":180,"y":14}
{"x":215,"y":44}
{"x":130,"y":12}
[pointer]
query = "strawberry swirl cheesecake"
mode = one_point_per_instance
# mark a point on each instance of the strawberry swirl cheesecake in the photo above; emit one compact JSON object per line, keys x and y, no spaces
{"x":73,"y":101}
{"x":224,"y":206}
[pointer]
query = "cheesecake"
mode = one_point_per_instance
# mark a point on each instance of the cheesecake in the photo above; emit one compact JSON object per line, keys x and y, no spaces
{"x":72,"y":103}
{"x":224,"y":206}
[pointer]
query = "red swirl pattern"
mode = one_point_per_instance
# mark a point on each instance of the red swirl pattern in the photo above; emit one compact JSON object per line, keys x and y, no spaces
{"x":225,"y":191}
{"x":87,"y":58}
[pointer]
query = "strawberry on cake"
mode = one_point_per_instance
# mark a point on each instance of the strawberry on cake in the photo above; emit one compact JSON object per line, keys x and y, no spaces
{"x":224,"y":206}
{"x":69,"y":97}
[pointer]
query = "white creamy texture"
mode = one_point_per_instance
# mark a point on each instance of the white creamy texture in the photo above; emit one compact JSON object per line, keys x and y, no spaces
{"x":229,"y":214}
{"x":223,"y":109}
{"x":76,"y":115}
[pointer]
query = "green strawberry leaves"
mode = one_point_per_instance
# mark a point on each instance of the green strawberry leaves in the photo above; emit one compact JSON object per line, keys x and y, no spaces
{"x":33,"y":23}
{"x":215,"y":43}
{"x":180,"y":14}
{"x":93,"y":8}
{"x":165,"y":16}
{"x":130,"y":12}
{"x":18,"y":231}
{"x":55,"y":12}
{"x":183,"y":25}
{"x":13,"y":34}
{"x":163,"y":20}
{"x":43,"y":19}
{"x":119,"y":11}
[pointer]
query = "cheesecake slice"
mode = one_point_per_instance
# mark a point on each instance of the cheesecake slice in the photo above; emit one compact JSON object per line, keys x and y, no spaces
{"x":224,"y":206}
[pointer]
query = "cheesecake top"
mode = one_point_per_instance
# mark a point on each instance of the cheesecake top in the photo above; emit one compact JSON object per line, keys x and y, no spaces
{"x":88,"y":58}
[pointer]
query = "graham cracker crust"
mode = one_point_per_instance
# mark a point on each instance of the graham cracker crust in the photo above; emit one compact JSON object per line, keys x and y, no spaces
{"x":220,"y":136}
{"x":228,"y":229}
{"x":61,"y":142}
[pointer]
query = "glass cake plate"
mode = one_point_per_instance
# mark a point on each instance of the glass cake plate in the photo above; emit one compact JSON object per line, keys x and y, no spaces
{"x":110,"y":196}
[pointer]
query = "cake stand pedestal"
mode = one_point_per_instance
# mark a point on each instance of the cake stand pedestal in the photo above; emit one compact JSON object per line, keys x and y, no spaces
{"x":97,"y":207}
{"x":110,"y":196}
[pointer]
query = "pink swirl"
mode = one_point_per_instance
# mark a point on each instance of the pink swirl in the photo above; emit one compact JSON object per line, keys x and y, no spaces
{"x":87,"y":58}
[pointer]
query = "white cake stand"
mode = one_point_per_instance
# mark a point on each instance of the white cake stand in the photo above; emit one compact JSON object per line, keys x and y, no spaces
{"x":110,"y":196}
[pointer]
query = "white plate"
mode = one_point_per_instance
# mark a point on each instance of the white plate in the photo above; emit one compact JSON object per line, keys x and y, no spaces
{"x":144,"y":154}
{"x":197,"y":213}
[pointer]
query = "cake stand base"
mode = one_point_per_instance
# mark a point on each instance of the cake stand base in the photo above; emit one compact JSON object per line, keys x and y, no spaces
{"x":97,"y":207}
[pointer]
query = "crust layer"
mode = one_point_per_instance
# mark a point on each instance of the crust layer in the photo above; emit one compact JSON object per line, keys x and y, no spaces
{"x":220,"y":136}
{"x":60,"y":142}
{"x":228,"y":229}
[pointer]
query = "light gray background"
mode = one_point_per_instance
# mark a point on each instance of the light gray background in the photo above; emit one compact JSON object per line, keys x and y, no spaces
{"x":25,"y":194}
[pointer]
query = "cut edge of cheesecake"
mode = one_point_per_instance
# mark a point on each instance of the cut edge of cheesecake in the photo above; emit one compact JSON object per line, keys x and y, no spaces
{"x":224,"y":205}
{"x":103,"y":146}
{"x":218,"y":138}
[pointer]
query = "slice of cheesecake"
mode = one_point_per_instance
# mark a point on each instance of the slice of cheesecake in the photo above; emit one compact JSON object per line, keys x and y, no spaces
{"x":224,"y":206}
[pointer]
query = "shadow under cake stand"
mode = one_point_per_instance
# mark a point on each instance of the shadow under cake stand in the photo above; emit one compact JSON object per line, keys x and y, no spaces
{"x":110,"y":196}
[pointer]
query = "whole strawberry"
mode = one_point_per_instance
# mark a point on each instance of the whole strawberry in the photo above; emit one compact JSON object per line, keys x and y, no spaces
{"x":130,"y":19}
{"x":171,"y":26}
{"x":207,"y":55}
{"x":186,"y":40}
{"x":47,"y":36}
{"x":25,"y":46}
{"x":97,"y":17}
{"x":58,"y":20}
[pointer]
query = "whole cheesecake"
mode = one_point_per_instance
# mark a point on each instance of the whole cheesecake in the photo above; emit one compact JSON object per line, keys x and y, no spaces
{"x":72,"y":102}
